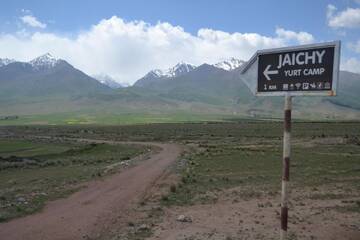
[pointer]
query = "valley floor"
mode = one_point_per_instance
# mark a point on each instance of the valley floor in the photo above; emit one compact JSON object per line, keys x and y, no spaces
{"x":224,"y":185}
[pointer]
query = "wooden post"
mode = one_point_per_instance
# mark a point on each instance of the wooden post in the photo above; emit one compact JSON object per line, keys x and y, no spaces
{"x":286,"y":167}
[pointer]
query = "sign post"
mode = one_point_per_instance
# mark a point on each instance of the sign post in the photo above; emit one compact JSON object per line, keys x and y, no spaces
{"x":307,"y":70}
{"x":286,"y":167}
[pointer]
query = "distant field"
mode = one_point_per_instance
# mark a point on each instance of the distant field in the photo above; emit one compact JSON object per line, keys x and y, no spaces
{"x":108,"y":119}
{"x":235,"y":130}
{"x":33,"y":172}
{"x":131,"y":118}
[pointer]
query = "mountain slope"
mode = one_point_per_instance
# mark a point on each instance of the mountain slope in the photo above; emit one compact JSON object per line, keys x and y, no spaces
{"x":108,"y":81}
{"x":46,"y":76}
{"x":211,"y":84}
{"x":206,"y":83}
{"x":158,"y":75}
{"x":48,"y":85}
{"x":5,"y":61}
{"x":349,"y":91}
{"x":230,"y":64}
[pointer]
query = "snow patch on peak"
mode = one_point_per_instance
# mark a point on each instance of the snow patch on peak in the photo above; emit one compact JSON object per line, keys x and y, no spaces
{"x":179,"y":69}
{"x":44,"y":61}
{"x":229,"y":64}
{"x":156,"y":73}
{"x":5,"y":61}
{"x":108,"y":81}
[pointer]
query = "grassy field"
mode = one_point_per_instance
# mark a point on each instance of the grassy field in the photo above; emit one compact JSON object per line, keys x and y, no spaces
{"x":34,"y":172}
{"x":256,"y":167}
{"x":245,"y":155}
{"x":248,"y":154}
{"x":234,"y":131}
{"x":79,"y":118}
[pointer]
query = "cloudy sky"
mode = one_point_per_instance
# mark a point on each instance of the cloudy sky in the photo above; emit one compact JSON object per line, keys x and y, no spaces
{"x":126,"y":39}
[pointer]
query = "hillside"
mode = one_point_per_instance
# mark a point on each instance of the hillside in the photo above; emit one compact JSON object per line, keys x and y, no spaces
{"x":224,"y":89}
{"x":43,"y":77}
{"x":49,"y":88}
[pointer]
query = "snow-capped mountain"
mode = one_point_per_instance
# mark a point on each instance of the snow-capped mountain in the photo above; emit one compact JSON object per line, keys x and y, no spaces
{"x":44,"y":62}
{"x":229,"y":64}
{"x":46,"y":76}
{"x":5,"y":61}
{"x":179,"y":69}
{"x":184,"y":68}
{"x":158,"y":74}
{"x":108,"y":81}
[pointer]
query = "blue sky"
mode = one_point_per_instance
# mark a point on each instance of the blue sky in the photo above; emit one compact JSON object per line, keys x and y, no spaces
{"x":209,"y":31}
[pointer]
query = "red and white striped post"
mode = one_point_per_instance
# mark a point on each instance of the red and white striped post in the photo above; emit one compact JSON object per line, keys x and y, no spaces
{"x":286,"y":168}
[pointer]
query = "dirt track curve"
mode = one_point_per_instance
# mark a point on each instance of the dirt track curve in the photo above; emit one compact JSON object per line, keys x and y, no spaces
{"x":88,"y":211}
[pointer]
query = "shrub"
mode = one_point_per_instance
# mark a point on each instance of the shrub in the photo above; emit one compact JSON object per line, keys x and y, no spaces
{"x":173,"y":188}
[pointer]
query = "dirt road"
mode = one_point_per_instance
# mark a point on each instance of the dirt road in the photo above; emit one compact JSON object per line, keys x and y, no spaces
{"x":86,"y":213}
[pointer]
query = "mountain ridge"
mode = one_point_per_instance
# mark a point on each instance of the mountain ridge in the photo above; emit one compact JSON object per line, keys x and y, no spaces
{"x":182,"y":68}
{"x":108,"y":81}
{"x":44,"y":61}
{"x":45,"y":76}
{"x":230,"y":64}
{"x":5,"y":61}
{"x":56,"y":87}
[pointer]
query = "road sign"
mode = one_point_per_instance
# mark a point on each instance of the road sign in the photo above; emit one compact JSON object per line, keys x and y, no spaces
{"x":293,"y":71}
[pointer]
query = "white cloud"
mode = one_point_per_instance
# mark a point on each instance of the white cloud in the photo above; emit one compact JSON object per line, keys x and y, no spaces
{"x":330,"y":10}
{"x":128,"y":50}
{"x":351,"y":65}
{"x":25,"y":11}
{"x":349,"y":18}
{"x":32,"y":21}
{"x":355,"y":46}
{"x":301,"y":37}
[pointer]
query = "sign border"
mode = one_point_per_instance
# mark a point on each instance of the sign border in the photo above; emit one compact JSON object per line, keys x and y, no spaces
{"x":335,"y":74}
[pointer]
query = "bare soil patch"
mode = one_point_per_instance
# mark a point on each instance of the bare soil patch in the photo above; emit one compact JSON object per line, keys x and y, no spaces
{"x":93,"y":211}
{"x":235,"y":215}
